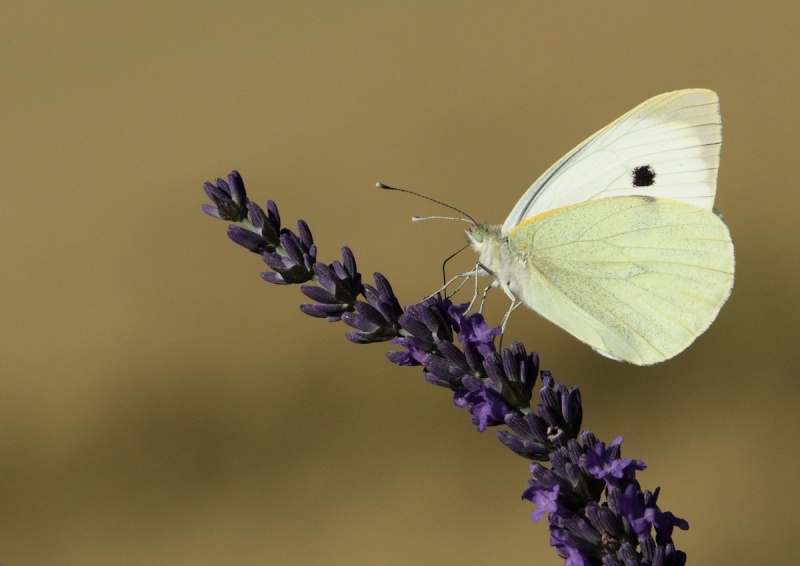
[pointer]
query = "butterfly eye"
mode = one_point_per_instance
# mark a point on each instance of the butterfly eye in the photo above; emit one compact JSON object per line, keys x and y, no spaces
{"x":476,"y":234}
{"x":643,"y":176}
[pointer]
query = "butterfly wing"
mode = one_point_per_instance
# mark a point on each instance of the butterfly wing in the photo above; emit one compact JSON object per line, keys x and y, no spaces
{"x":667,"y":147}
{"x":636,"y":278}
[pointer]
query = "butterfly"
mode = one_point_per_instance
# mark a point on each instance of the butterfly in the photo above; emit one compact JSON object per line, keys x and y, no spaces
{"x":619,"y":243}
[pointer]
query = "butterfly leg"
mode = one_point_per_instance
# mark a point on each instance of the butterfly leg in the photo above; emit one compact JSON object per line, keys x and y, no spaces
{"x":465,"y":276}
{"x":485,"y":292}
{"x":515,"y":304}
{"x":479,"y":271}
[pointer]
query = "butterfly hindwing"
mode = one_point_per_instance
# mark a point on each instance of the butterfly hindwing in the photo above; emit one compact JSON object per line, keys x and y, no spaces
{"x":637,"y":278}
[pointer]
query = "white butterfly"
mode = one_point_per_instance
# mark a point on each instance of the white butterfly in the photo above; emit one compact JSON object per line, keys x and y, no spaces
{"x":618,"y":243}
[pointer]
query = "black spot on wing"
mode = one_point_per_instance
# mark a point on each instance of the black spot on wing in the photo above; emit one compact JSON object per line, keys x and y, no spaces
{"x":643,"y":176}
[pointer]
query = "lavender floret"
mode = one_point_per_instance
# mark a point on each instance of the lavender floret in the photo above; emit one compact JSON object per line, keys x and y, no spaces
{"x":229,"y":198}
{"x":339,"y":284}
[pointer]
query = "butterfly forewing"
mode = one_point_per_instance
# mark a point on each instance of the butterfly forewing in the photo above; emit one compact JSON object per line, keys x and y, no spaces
{"x":667,"y":147}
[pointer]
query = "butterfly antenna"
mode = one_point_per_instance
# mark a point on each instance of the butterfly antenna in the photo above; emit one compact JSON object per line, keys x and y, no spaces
{"x":421,"y":218}
{"x":388,"y":188}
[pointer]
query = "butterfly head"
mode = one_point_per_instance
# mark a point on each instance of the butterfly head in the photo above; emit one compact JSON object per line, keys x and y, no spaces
{"x":485,"y":239}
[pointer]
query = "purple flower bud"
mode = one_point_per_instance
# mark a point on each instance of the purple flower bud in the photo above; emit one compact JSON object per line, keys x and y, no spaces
{"x":295,"y":264}
{"x":268,"y":226}
{"x":249,"y":240}
{"x":377,"y":320}
{"x":529,"y":438}
{"x":513,"y":373}
{"x":229,"y":197}
{"x":338,"y":288}
{"x":560,"y":407}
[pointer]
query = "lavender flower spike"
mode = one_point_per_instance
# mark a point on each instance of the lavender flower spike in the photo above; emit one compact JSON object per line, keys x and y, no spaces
{"x":596,"y":510}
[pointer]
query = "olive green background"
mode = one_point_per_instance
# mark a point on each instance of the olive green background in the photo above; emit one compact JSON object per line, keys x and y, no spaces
{"x":162,"y":405}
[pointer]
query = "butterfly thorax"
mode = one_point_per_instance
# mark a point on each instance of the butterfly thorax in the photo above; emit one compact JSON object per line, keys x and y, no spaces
{"x":495,"y":256}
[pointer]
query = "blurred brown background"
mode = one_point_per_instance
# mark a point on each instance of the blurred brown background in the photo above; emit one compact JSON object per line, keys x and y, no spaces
{"x":162,"y":405}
